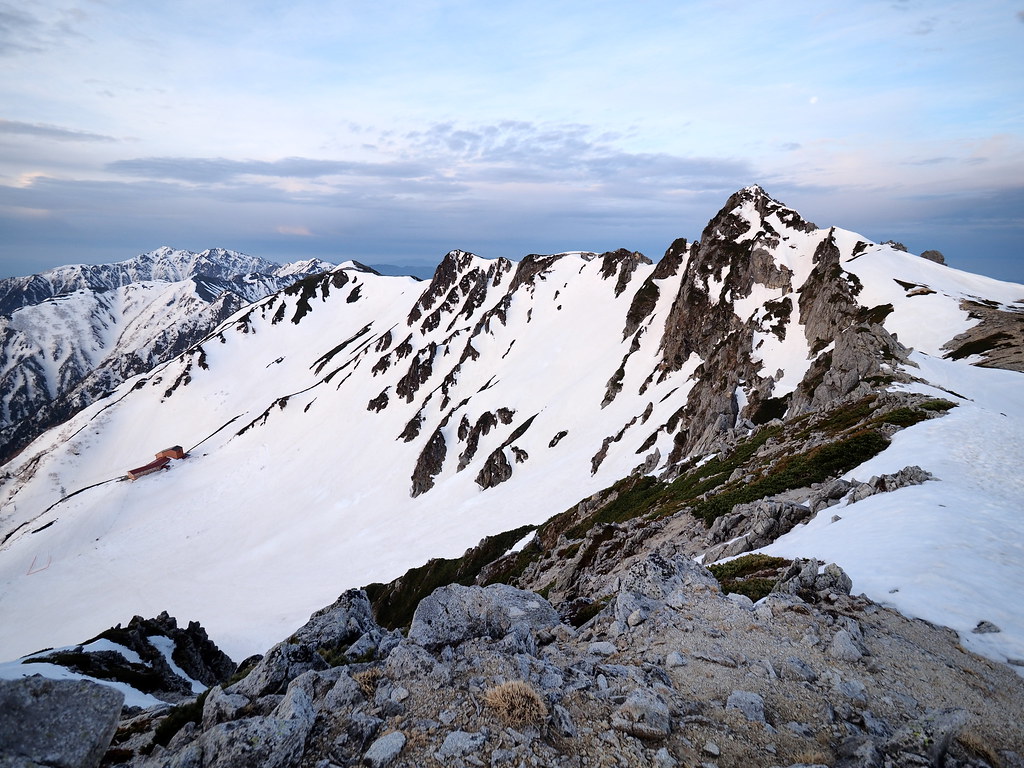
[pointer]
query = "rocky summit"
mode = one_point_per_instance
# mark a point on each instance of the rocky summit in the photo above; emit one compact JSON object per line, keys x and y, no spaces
{"x":670,"y":671}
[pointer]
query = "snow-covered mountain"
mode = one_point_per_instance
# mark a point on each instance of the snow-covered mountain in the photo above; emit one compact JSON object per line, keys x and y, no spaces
{"x":72,"y":334}
{"x":164,"y":265}
{"x":354,"y":425}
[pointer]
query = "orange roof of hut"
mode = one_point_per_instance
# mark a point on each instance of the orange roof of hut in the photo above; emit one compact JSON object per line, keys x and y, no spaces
{"x":174,"y":452}
{"x":154,"y":466}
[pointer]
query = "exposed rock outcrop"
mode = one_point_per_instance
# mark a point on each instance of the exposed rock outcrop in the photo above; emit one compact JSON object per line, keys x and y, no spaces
{"x":154,"y":656}
{"x":56,"y":723}
{"x":759,"y":523}
{"x":997,"y":340}
{"x":658,"y":676}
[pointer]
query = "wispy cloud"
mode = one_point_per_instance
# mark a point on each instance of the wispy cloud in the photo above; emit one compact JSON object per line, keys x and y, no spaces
{"x":221,"y":170}
{"x":55,"y":132}
{"x":22,"y":31}
{"x":18,"y":30}
{"x":454,"y":158}
{"x":930,"y":161}
{"x":518,"y":151}
{"x":294,"y":230}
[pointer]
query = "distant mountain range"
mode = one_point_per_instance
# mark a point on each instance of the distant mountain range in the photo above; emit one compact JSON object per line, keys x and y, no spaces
{"x":70,"y":335}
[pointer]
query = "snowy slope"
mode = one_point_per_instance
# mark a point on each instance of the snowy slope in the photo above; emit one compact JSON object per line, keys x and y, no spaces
{"x":355,"y":425}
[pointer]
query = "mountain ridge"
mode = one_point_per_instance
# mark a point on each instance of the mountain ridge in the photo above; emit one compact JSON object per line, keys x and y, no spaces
{"x":432,"y":378}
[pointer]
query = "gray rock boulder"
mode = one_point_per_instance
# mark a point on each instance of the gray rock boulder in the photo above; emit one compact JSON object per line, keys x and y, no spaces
{"x":794,"y":668}
{"x":753,"y":525}
{"x":843,"y":647}
{"x":669,"y":579}
{"x":342,"y":622}
{"x":644,"y":714}
{"x":749,"y":704}
{"x":458,"y":744}
{"x":264,"y":741}
{"x":282,"y":664}
{"x":453,"y":614}
{"x":220,"y":707}
{"x":803,"y":580}
{"x":57,"y":723}
{"x":384,"y":750}
{"x":330,"y":632}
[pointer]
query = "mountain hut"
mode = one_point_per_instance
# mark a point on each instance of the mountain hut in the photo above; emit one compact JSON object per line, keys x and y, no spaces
{"x":154,"y":466}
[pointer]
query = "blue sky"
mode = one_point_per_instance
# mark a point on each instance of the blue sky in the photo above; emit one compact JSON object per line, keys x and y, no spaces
{"x":391,"y":132}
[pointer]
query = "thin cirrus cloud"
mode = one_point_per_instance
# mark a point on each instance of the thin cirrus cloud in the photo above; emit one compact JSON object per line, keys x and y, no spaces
{"x":55,"y":132}
{"x":222,"y":170}
{"x":526,"y":152}
{"x":18,"y":30}
{"x":451,"y":156}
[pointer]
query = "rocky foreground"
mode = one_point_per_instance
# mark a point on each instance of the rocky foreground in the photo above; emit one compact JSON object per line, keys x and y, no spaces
{"x":669,"y":672}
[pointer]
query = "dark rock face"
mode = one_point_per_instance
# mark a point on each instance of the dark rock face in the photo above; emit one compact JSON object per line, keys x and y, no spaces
{"x":56,"y":723}
{"x":429,"y":464}
{"x":731,"y":258}
{"x":446,"y":276}
{"x":190,"y":648}
{"x":420,"y":368}
{"x":495,"y":471}
{"x":895,"y":245}
{"x":621,"y":264}
{"x":529,"y":269}
{"x":935,"y":256}
{"x":471,"y":435}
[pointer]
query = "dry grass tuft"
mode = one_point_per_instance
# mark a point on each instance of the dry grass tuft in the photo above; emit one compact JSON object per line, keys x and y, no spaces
{"x":516,"y":703}
{"x":978,"y":746}
{"x":368,"y":680}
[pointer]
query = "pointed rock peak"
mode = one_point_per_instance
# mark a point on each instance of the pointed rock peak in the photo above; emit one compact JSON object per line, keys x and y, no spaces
{"x":622,"y":263}
{"x":750,"y":211}
{"x":610,"y":260}
{"x":446,"y":276}
{"x":674,"y":258}
{"x":454,"y":263}
{"x":531,"y":266}
{"x":353,"y":266}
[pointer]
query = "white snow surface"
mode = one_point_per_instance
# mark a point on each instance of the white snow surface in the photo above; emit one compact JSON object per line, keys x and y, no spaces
{"x":12,"y":670}
{"x":255,"y":531}
{"x":165,"y":645}
{"x":108,"y":645}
